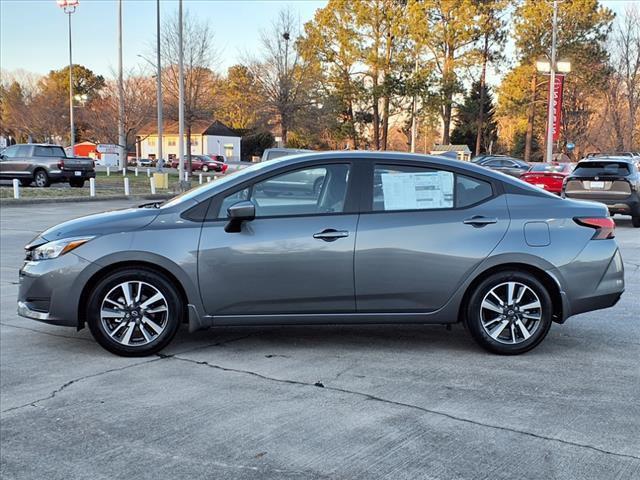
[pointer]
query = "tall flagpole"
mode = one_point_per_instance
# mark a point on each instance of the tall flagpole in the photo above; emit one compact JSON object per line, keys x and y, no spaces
{"x":159,"y":80}
{"x":181,"y":95}
{"x":122,"y":140}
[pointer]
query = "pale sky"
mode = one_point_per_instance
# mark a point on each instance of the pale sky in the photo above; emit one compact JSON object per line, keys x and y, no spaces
{"x":33,"y":33}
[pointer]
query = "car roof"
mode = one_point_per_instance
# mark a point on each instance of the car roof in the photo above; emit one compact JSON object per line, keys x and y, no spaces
{"x":35,"y":145}
{"x":611,"y":158}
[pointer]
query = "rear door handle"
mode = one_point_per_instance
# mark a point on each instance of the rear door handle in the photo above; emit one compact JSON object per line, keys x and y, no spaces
{"x":331,"y":234}
{"x":479,"y":221}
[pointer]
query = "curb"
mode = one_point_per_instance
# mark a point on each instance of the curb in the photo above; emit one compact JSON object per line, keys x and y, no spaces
{"x":5,"y":202}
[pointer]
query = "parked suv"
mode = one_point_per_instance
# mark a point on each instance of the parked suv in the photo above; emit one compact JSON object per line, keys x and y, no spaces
{"x":614,"y":181}
{"x":44,"y":164}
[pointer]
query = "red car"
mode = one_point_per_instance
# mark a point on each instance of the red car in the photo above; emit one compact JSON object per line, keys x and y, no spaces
{"x":548,"y":175}
{"x":205,"y":163}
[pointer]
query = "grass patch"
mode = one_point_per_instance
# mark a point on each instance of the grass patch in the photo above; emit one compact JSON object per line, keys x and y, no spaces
{"x":106,"y":186}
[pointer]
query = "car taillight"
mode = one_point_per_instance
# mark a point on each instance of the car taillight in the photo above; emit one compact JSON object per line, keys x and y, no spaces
{"x":605,"y":227}
{"x":61,"y":164}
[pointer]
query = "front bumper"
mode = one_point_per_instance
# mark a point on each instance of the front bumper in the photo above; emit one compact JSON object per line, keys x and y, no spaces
{"x":50,"y":290}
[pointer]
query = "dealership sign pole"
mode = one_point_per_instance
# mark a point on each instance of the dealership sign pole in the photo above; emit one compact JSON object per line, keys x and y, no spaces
{"x":557,"y":105}
{"x":552,"y":82}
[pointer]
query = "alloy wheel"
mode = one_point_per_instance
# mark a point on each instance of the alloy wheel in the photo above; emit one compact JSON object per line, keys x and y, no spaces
{"x":41,"y":179}
{"x":134,"y":313}
{"x":511,"y":312}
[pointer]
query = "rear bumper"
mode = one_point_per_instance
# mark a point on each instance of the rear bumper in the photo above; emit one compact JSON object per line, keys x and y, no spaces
{"x":627,"y":206}
{"x":594,"y":280}
{"x":66,"y":175}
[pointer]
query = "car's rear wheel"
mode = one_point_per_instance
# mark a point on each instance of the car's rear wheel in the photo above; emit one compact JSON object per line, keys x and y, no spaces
{"x":635,"y":221}
{"x":41,"y":179}
{"x":205,"y":168}
{"x":134,"y":312}
{"x":509,"y":312}
{"x":76,"y":182}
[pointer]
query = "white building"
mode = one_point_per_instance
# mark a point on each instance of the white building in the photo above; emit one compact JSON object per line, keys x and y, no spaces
{"x":206,"y":139}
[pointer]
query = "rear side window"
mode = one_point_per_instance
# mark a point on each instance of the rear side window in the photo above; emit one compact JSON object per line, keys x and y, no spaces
{"x":48,"y":152}
{"x":23,"y":151}
{"x":602,"y":169}
{"x":416,"y":188}
{"x":471,"y":190}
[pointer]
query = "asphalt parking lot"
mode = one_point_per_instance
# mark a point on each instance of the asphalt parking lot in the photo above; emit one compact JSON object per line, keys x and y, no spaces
{"x":317,"y":402}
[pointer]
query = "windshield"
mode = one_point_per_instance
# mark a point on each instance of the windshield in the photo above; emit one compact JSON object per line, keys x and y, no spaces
{"x":593,"y":169}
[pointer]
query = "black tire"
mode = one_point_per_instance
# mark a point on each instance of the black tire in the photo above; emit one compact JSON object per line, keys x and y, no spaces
{"x":474,"y":314}
{"x":25,"y":182}
{"x":635,"y":221}
{"x":158,"y":281}
{"x":41,"y":179}
{"x":205,"y":168}
{"x":76,"y":182}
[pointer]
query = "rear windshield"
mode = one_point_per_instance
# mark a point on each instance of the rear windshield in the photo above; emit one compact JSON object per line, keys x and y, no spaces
{"x":546,"y":167}
{"x":592,"y":169}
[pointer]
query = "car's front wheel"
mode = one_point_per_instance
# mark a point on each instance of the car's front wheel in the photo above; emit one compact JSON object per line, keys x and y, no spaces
{"x":509,"y":312}
{"x":134,"y":312}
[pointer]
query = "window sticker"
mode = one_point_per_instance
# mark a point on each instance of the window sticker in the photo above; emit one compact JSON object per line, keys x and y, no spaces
{"x":417,"y":191}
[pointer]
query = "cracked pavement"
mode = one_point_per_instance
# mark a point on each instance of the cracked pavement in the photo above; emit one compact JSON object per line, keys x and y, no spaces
{"x":402,"y":402}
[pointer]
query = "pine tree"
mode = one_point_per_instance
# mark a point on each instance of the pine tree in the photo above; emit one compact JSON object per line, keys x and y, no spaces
{"x":465,"y":124}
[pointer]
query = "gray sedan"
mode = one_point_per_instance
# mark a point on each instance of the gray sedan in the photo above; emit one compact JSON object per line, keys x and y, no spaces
{"x":385,"y":238}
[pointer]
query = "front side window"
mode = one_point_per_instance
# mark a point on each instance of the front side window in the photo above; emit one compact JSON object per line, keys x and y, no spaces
{"x":308,"y":191}
{"x":11,"y":151}
{"x":417,"y":188}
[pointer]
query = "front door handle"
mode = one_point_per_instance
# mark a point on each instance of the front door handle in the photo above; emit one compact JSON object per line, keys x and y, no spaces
{"x":331,"y":234}
{"x":479,"y":221}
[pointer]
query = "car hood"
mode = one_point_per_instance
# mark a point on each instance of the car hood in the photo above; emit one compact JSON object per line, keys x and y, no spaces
{"x":100,"y":224}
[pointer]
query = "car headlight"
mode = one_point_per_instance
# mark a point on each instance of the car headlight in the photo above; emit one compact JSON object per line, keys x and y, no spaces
{"x":57,"y":247}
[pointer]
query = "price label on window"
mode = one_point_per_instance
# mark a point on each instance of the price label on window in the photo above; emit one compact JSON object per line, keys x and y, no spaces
{"x":417,"y":191}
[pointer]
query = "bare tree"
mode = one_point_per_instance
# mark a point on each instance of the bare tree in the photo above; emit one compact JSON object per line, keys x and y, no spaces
{"x":101,"y":114}
{"x":199,"y":80}
{"x":623,"y":95}
{"x":284,"y":77}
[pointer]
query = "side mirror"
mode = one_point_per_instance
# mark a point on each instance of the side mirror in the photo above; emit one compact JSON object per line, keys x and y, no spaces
{"x":243,"y":211}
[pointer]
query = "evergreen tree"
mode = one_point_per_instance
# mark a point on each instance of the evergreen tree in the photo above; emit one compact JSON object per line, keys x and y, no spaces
{"x":465,"y":124}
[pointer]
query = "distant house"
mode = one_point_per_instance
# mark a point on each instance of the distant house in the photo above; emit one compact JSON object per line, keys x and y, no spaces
{"x":206,"y":139}
{"x":462,"y":151}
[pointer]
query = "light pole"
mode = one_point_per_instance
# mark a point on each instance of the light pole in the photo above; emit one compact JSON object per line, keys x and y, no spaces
{"x":180,"y":95}
{"x":69,"y":6}
{"x":551,"y":67}
{"x":158,"y":99}
{"x":122,"y":139}
{"x":159,"y":80}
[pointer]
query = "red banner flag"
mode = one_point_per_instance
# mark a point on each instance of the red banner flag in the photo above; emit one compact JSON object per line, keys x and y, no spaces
{"x":557,"y":105}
